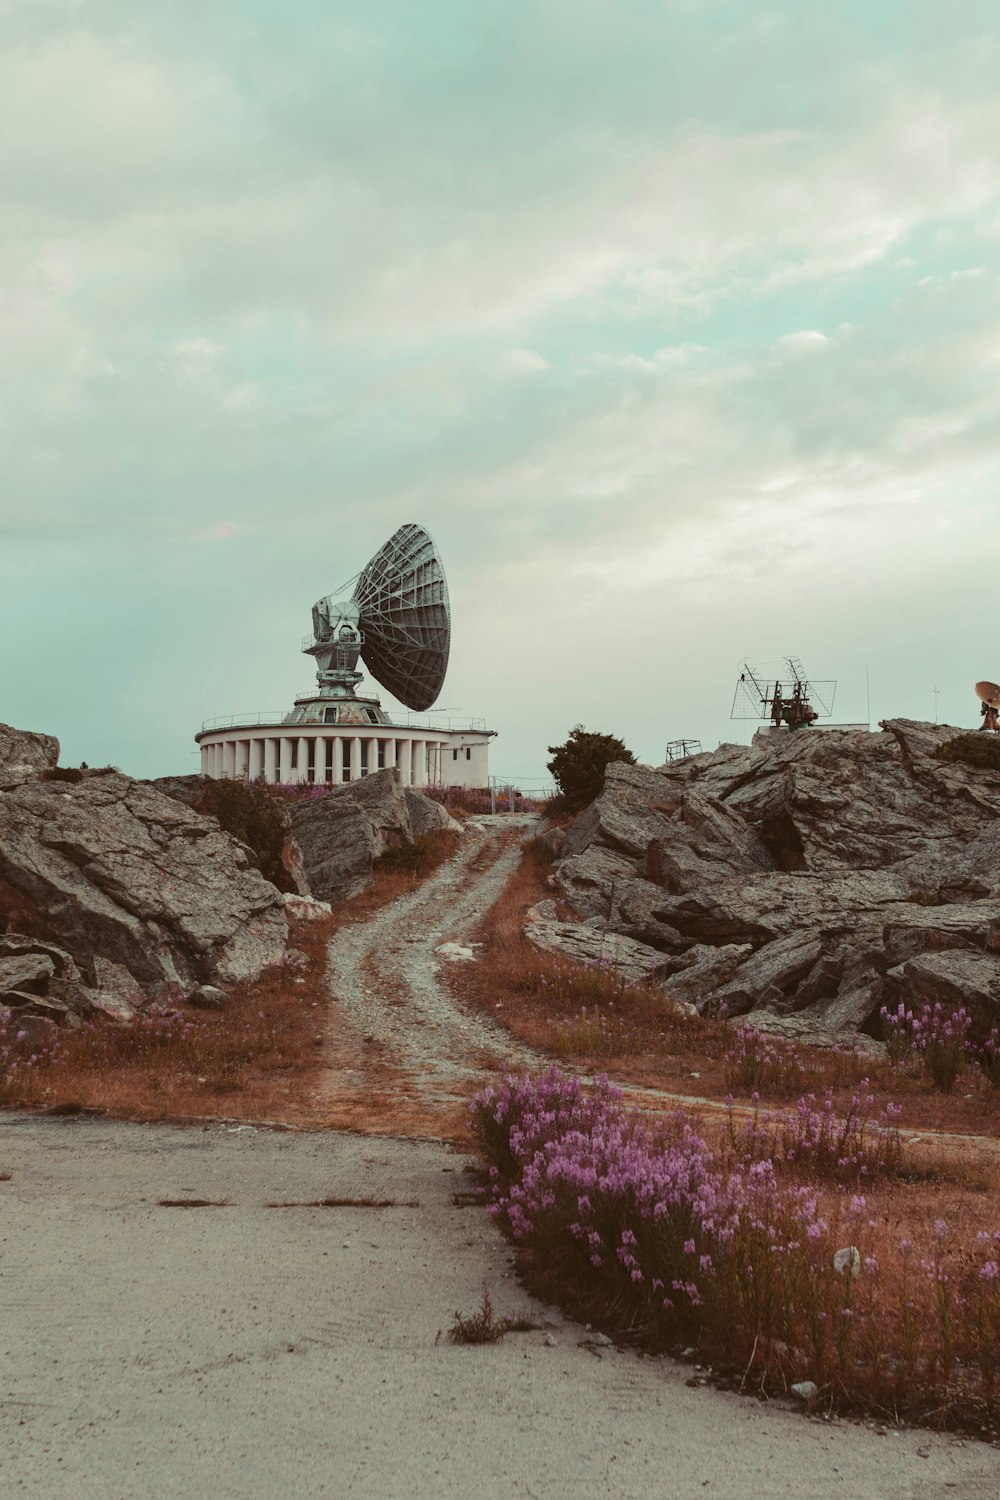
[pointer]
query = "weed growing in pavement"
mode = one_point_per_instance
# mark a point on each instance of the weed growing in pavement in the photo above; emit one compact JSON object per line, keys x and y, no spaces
{"x":484,"y":1327}
{"x":640,"y":1224}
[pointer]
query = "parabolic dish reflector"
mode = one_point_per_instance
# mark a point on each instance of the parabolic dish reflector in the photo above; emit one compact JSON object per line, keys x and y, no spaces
{"x":402,"y":596}
{"x":989,"y":692}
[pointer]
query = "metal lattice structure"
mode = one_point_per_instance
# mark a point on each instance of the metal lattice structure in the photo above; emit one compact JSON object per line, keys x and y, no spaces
{"x":792,"y":700}
{"x":398,"y":620}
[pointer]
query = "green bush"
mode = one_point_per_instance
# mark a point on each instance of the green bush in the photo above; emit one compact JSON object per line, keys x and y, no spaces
{"x":62,"y":773}
{"x":255,"y":814}
{"x":979,"y":750}
{"x":578,"y":767}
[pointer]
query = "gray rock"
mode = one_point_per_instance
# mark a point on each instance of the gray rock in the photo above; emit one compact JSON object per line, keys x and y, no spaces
{"x":593,"y":945}
{"x":36,"y":1005}
{"x":342,"y":834}
{"x":797,"y":878}
{"x":148,"y":898}
{"x":28,"y":973}
{"x":23,"y":755}
{"x":805,"y":1390}
{"x":954,"y":978}
{"x":426,"y":815}
{"x":207,"y":997}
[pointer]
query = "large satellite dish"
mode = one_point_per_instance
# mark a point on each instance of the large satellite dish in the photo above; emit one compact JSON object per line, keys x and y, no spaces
{"x":989,"y":692}
{"x":397,"y":619}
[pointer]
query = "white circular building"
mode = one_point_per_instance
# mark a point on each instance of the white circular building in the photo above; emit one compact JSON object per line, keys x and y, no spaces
{"x":342,"y":748}
{"x":398,"y":619}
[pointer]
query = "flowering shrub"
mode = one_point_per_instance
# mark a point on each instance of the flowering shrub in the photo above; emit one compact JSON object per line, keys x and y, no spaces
{"x":989,"y":1058}
{"x":641,"y":1223}
{"x":756,"y":1063}
{"x":937,"y":1034}
{"x":836,"y":1147}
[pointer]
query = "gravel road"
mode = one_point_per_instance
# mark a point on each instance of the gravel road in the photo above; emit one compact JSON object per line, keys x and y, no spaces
{"x":248,"y":1352}
{"x":384,"y":973}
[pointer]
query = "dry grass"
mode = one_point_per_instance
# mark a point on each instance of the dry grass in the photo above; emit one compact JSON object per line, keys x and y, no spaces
{"x":260,"y":1058}
{"x":638,"y":1038}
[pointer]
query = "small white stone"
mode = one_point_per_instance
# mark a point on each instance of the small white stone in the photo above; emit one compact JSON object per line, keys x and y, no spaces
{"x":805,"y":1390}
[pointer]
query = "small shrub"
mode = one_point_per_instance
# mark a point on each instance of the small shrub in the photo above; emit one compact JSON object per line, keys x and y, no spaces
{"x":938,"y":1035}
{"x":978,"y":749}
{"x":578,"y":767}
{"x":989,"y":1058}
{"x":862,"y":1142}
{"x":759,"y":1064}
{"x":481,"y":1327}
{"x":62,"y":773}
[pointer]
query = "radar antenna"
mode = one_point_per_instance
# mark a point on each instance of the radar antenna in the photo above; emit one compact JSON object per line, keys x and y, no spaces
{"x":792,"y":700}
{"x":397,"y":619}
{"x":989,"y":695}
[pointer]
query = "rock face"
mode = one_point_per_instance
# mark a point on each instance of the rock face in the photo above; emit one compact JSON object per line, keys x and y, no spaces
{"x":807,"y":879}
{"x":23,"y":755}
{"x":129,"y":893}
{"x":342,"y":834}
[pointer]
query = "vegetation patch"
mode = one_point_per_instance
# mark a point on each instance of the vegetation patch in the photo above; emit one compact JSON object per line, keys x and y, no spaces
{"x":643,"y":1225}
{"x":484,"y":1327}
{"x":578,"y":767}
{"x":421,"y":858}
{"x":978,"y":749}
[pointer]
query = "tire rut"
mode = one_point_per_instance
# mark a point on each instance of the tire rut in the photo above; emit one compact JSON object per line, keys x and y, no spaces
{"x":384,"y":973}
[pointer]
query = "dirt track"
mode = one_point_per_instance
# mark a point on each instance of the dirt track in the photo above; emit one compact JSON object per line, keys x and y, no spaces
{"x":401,"y":1048}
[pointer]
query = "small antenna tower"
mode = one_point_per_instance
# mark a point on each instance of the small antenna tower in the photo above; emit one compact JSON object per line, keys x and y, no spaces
{"x":793,"y":700}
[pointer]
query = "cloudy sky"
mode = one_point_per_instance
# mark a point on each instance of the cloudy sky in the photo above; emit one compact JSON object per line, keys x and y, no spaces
{"x":677,"y":322}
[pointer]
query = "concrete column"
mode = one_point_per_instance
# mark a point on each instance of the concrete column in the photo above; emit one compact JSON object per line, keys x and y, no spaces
{"x":229,"y":757}
{"x":256,"y":763}
{"x":302,"y":769}
{"x":284,"y":759}
{"x":390,"y":752}
{"x":406,"y":762}
{"x":420,"y":762}
{"x":355,"y":757}
{"x":270,"y":760}
{"x":337,"y":759}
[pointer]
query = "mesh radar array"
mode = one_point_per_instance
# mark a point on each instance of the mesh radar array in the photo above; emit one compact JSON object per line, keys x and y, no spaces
{"x":397,"y":619}
{"x":989,"y":696}
{"x":792,"y":700}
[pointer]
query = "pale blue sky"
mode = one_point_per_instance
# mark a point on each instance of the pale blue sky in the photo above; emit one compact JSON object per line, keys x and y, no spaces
{"x":677,"y":323}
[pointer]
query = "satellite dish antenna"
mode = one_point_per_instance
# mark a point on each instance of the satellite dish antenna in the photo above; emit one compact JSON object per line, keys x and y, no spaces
{"x":397,"y":619}
{"x":989,"y":693}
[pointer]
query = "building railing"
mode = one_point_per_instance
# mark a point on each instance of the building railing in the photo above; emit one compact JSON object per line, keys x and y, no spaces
{"x":277,"y":720}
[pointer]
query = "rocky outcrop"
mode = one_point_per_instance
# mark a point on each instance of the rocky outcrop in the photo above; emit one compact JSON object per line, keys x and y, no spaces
{"x":142,"y":897}
{"x":342,"y":834}
{"x":806,"y":879}
{"x":426,"y":815}
{"x":24,"y":755}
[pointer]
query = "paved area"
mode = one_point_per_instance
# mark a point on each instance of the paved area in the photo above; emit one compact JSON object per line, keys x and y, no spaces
{"x":247,"y":1351}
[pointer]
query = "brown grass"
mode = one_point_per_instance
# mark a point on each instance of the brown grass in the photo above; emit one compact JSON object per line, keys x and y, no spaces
{"x":639,"y":1040}
{"x":258,"y":1059}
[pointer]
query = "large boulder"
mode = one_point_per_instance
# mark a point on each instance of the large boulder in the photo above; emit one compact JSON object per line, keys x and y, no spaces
{"x":24,"y":755}
{"x":823,"y":870}
{"x":343,"y":833}
{"x":145,"y":898}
